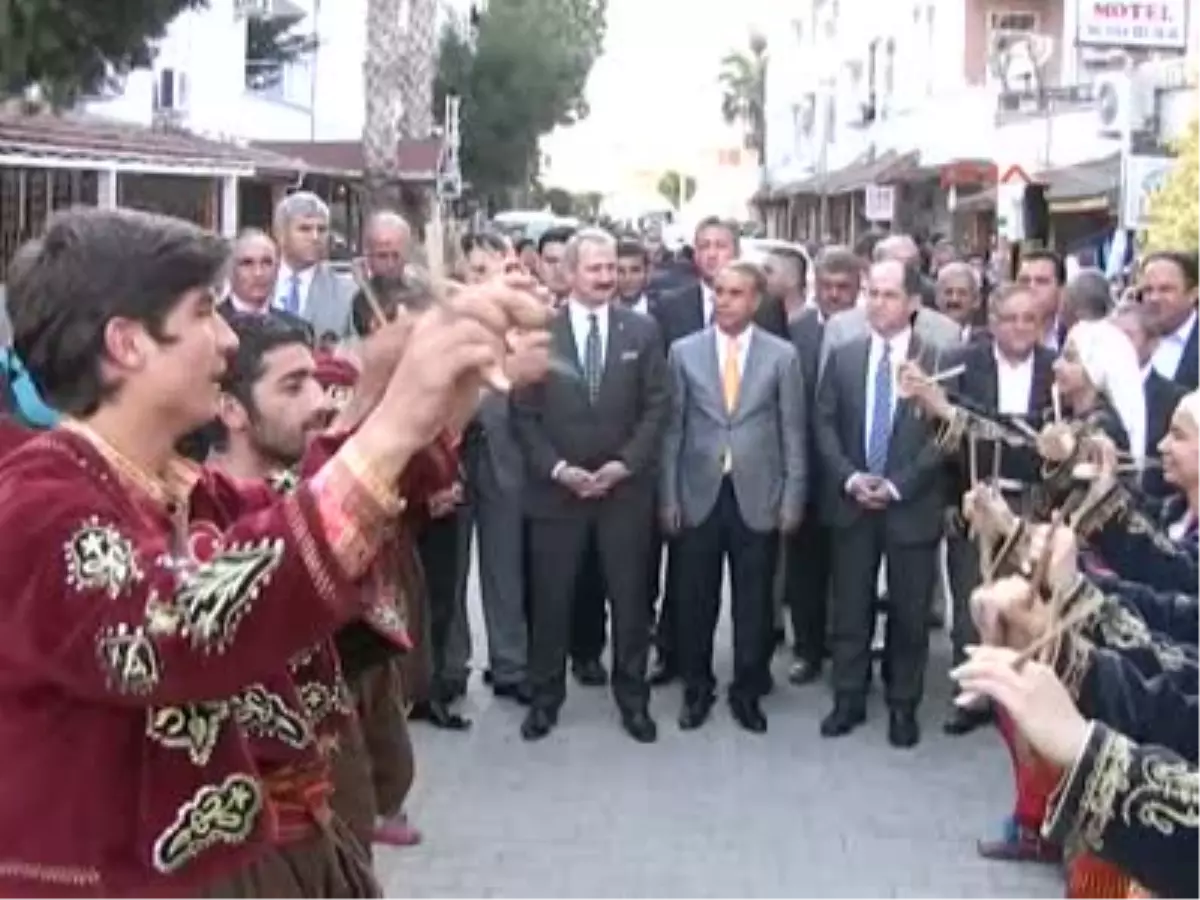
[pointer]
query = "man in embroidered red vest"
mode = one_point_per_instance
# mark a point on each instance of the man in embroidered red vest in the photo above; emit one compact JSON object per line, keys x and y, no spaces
{"x":144,"y":595}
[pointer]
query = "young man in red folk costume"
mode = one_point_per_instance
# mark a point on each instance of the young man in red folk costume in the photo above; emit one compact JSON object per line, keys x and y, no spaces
{"x":374,"y":770}
{"x":145,"y":597}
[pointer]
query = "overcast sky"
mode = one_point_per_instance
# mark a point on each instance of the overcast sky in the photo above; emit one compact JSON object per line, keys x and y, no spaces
{"x":654,"y":94}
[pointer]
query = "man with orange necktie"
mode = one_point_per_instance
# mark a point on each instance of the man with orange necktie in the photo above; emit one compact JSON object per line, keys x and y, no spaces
{"x":733,"y":477}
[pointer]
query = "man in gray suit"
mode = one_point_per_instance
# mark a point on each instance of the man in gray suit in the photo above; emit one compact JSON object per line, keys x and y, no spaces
{"x":733,"y":477}
{"x":882,"y":474}
{"x":307,"y":286}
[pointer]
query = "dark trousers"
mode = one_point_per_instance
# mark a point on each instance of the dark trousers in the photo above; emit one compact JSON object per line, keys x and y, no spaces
{"x":752,"y":555}
{"x":806,"y":588}
{"x":620,"y":528}
{"x":911,"y":570}
{"x":438,"y":548}
{"x":962,"y":565}
{"x":589,"y":619}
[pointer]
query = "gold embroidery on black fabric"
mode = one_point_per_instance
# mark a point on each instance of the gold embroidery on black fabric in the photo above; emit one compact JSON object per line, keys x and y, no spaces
{"x":194,"y":727}
{"x":1122,"y":630}
{"x":216,"y":814}
{"x":1167,"y":798}
{"x":264,"y":713}
{"x":129,"y":659}
{"x":100,"y":558}
{"x":1106,"y":783}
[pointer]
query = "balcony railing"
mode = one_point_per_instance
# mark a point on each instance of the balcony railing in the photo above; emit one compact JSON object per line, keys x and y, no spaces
{"x":1024,"y":103}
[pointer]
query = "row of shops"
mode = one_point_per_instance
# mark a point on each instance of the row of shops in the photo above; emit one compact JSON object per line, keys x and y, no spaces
{"x":837,"y":207}
{"x":51,"y":162}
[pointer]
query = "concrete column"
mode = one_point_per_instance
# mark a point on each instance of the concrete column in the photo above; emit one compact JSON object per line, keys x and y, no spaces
{"x":106,"y":189}
{"x":229,"y":206}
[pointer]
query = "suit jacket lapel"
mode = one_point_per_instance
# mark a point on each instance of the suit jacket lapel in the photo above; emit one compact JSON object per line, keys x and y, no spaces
{"x":916,"y":353}
{"x":696,"y":311}
{"x":989,"y":381}
{"x":1039,"y":388}
{"x":563,"y":338}
{"x":860,"y":369}
{"x":615,"y":348}
{"x":749,"y":372}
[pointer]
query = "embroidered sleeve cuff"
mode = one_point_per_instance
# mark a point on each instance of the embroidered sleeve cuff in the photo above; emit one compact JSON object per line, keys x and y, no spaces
{"x":1110,"y":502}
{"x":355,"y":507}
{"x":1088,"y":798}
{"x":1064,"y":812}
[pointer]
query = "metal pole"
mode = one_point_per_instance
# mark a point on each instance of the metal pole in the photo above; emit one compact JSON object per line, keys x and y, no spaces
{"x":312,"y":73}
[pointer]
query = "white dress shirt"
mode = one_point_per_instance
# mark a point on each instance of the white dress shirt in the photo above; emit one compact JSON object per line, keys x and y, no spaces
{"x":1014,"y":385}
{"x":581,"y":325}
{"x":641,"y":305}
{"x":283,"y":286}
{"x":1169,"y":352}
{"x":707,"y":301}
{"x":241,"y":307}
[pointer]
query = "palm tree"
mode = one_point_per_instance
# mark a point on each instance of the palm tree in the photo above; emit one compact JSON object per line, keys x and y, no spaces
{"x":382,"y":74}
{"x":744,"y":84}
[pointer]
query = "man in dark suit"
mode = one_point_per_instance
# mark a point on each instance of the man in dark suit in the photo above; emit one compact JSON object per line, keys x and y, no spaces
{"x":882,"y":473}
{"x":591,"y":442}
{"x":806,"y":580}
{"x":1168,"y":286}
{"x":253,"y":265}
{"x":1007,"y":377}
{"x":1162,"y":394}
{"x":690,"y":309}
{"x":957,"y":296}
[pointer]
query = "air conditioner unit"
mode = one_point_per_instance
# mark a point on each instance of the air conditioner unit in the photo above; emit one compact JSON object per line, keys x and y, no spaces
{"x":252,"y":9}
{"x":1121,"y":103}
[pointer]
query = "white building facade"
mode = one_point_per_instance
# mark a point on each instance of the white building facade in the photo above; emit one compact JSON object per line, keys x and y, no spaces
{"x":935,"y":82}
{"x":202,"y":80}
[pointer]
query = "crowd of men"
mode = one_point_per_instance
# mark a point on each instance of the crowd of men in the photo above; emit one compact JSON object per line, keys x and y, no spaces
{"x":828,"y":426}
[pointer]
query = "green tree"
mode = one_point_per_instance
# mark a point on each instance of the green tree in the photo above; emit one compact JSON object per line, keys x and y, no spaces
{"x":743,"y":80}
{"x":520,"y":72}
{"x":677,"y":189}
{"x":272,"y":43}
{"x":67,"y":48}
{"x":560,"y":201}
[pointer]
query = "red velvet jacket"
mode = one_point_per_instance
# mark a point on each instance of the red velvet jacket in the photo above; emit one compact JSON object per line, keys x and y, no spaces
{"x":128,"y":768}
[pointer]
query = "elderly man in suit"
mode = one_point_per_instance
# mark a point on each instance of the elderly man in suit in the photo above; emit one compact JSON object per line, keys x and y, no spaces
{"x":591,"y":441}
{"x":806,"y":585}
{"x":306,"y":285}
{"x":733,"y":477}
{"x":882,"y":472}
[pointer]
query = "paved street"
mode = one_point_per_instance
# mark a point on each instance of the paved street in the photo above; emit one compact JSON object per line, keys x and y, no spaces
{"x":587,"y":812}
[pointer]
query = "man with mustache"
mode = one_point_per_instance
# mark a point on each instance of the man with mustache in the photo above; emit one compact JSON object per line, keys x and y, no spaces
{"x":957,"y":296}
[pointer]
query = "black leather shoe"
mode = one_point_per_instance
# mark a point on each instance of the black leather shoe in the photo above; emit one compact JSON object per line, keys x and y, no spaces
{"x":439,"y":715}
{"x":804,"y":671}
{"x":843,"y":719}
{"x":640,"y":726}
{"x":663,"y":672}
{"x":695,"y":712}
{"x":538,"y":723}
{"x":748,"y":713}
{"x":519,"y":692}
{"x":961,"y":721}
{"x":589,"y":672}
{"x":903,"y":730}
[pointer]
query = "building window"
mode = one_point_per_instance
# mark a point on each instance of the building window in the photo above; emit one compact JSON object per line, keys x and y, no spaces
{"x":1013,"y":21}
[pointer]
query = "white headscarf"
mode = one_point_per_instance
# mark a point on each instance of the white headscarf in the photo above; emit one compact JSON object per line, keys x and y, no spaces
{"x":1111,"y":364}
